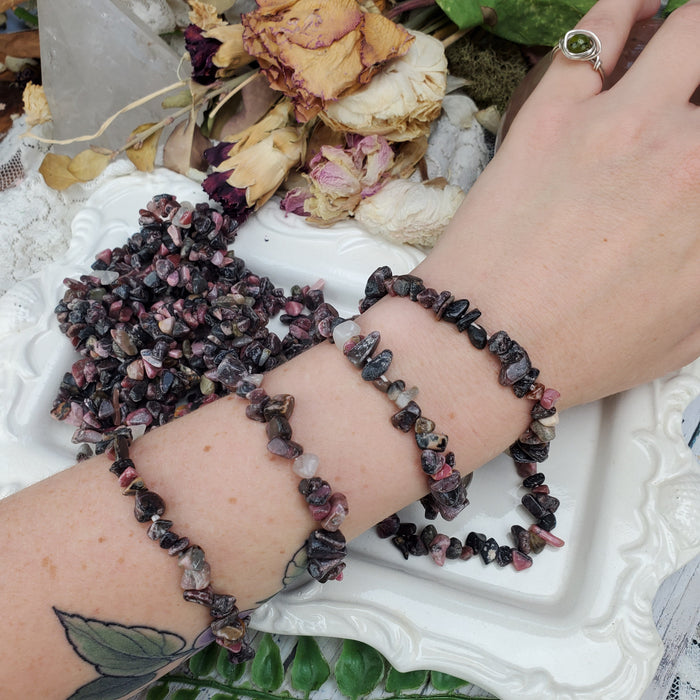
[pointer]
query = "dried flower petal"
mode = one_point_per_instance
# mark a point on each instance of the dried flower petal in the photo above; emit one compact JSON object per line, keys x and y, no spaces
{"x":409,"y":212}
{"x":314,"y":52}
{"x":201,"y":51}
{"x":36,"y":107}
{"x":204,"y":15}
{"x":231,"y":54}
{"x":401,"y":101}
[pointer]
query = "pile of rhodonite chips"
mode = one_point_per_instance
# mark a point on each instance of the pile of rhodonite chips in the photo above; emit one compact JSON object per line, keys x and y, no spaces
{"x":173,"y":320}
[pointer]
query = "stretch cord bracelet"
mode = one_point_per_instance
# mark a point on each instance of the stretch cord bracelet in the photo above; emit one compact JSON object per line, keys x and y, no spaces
{"x":229,"y":625}
{"x":326,"y":547}
{"x":530,"y":448}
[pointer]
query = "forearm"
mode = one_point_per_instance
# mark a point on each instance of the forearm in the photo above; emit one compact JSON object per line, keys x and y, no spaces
{"x":228,"y":494}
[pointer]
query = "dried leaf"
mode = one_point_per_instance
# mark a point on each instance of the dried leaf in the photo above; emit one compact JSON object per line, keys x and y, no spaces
{"x":54,"y":170}
{"x":88,"y":164}
{"x":143,"y":154}
{"x":246,"y":108}
{"x":184,"y":148}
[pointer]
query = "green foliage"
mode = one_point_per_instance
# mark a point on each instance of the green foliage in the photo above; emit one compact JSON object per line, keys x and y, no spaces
{"x":159,"y":691}
{"x":397,"y":682}
{"x":673,"y":5}
{"x":539,"y":22}
{"x":31,"y":20}
{"x":445,"y":682}
{"x":230,"y":673}
{"x":266,"y":669}
{"x":186,"y":694}
{"x":204,"y":661}
{"x":359,"y":669}
{"x":309,"y":669}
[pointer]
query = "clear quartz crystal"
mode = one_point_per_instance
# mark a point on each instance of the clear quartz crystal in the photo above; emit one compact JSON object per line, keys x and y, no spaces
{"x":97,"y":57}
{"x":306,"y":465}
{"x":343,"y":332}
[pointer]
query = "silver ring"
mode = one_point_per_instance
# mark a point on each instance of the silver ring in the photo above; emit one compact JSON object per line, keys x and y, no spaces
{"x":582,"y":45}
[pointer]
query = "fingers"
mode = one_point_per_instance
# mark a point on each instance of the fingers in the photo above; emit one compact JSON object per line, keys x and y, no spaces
{"x":610,"y":21}
{"x":669,"y":66}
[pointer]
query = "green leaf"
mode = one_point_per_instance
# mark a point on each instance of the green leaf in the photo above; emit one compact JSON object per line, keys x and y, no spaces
{"x":28,"y":18}
{"x":310,"y":670}
{"x":359,"y":669}
{"x":186,"y":694}
{"x":396,"y":681}
{"x":204,"y":661}
{"x":117,"y":650}
{"x":111,"y":688}
{"x":266,"y":669}
{"x":228,"y":671}
{"x":444,"y":682}
{"x":540,"y":22}
{"x":464,"y":13}
{"x":159,"y":691}
{"x":673,"y":5}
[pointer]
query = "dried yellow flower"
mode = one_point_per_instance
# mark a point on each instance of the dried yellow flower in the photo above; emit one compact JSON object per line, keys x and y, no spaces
{"x":230,"y":55}
{"x":35,"y":105}
{"x":401,"y":101}
{"x":314,"y":52}
{"x":204,"y":15}
{"x":261,"y":168}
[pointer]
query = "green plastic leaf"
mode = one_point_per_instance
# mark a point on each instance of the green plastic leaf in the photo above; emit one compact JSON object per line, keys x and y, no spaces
{"x":117,"y":650}
{"x":396,"y":681}
{"x":444,"y":682}
{"x":359,"y":669}
{"x":159,"y":691}
{"x":186,"y":694}
{"x":310,"y":670}
{"x":540,"y":22}
{"x":111,"y":688}
{"x":228,"y":671}
{"x":204,"y":661}
{"x":266,"y":669}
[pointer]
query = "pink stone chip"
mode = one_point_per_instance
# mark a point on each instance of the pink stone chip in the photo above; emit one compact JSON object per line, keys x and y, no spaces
{"x":548,"y":537}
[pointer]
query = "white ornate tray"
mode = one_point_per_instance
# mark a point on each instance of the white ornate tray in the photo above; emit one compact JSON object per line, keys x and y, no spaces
{"x":576,"y":626}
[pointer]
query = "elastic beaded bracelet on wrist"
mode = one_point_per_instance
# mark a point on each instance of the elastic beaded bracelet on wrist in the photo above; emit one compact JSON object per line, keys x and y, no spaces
{"x":229,"y":625}
{"x":530,"y":448}
{"x":326,"y":547}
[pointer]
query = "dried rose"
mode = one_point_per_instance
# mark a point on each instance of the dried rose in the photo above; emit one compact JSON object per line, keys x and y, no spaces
{"x":315,"y":52}
{"x":404,"y":211}
{"x":36,"y":107}
{"x":339,"y":178}
{"x":401,"y":101}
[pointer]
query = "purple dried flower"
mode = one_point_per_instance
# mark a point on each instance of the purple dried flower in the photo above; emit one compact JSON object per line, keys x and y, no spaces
{"x":233,"y":199}
{"x":201,"y":52}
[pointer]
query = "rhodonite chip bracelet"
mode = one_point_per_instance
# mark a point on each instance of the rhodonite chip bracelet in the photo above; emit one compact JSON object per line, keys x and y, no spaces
{"x":173,"y":320}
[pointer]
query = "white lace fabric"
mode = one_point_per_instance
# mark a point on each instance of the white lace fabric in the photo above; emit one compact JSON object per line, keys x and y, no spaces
{"x":34,"y":219}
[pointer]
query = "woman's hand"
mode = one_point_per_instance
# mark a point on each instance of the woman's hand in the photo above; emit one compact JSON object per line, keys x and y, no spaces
{"x":582,"y":237}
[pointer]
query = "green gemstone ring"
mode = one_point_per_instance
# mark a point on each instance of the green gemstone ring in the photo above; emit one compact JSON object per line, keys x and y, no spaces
{"x":582,"y":45}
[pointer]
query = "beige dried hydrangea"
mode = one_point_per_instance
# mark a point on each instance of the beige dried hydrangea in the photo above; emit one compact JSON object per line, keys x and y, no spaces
{"x":404,"y":211}
{"x":401,"y":101}
{"x":36,"y":108}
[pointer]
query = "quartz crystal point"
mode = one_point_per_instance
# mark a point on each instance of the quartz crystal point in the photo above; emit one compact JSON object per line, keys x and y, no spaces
{"x":97,"y":57}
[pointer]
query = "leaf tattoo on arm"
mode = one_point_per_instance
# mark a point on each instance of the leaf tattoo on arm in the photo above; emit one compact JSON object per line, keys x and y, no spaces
{"x":126,"y":658}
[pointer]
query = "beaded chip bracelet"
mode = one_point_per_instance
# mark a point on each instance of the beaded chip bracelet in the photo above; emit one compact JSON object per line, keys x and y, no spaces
{"x":229,"y":625}
{"x":530,"y":448}
{"x":326,"y":546}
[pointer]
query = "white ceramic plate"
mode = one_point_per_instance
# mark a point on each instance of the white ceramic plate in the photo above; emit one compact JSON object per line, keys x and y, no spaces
{"x":577,"y":625}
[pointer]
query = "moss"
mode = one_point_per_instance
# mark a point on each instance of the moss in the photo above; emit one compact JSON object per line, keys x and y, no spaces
{"x":493,"y":66}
